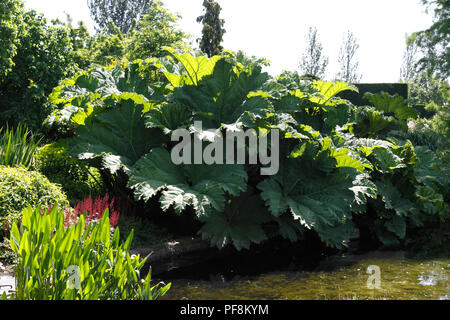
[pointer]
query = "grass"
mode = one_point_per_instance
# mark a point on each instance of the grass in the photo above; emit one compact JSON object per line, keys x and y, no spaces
{"x":17,"y":147}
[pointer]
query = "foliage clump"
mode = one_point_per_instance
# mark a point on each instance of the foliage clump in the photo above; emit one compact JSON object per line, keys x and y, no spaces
{"x":20,"y":188}
{"x":76,"y":178}
{"x":18,"y":147}
{"x":56,"y":261}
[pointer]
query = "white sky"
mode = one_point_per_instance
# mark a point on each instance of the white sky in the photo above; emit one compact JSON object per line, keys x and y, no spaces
{"x":277,"y":29}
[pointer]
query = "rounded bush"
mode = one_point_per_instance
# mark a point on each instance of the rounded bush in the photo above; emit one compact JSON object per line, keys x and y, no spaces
{"x":77,"y":179}
{"x":20,"y":188}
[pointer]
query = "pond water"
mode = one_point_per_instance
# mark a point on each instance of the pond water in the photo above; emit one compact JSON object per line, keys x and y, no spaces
{"x":342,"y":277}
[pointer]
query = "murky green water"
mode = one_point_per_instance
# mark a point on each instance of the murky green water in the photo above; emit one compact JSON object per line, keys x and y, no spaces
{"x":336,"y":278}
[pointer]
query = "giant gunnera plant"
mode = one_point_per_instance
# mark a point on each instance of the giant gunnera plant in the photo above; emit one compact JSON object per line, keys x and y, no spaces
{"x":335,"y":163}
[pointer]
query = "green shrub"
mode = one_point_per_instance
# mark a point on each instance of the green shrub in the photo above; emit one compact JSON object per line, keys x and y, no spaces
{"x":20,"y":188}
{"x":77,"y":179}
{"x":59,"y":262}
{"x":6,"y":254}
{"x":440,"y":123}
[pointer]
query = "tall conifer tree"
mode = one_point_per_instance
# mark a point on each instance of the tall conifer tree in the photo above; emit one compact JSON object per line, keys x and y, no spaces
{"x":213,"y":31}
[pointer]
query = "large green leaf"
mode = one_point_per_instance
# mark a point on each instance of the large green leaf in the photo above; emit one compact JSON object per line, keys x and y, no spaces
{"x":328,"y":90}
{"x":432,"y":201}
{"x":370,"y":121}
{"x":290,"y":103}
{"x":317,"y":200}
{"x":386,"y":237}
{"x":397,"y":225}
{"x":95,"y":84}
{"x":196,"y":68}
{"x":364,"y":145}
{"x":224,"y":96}
{"x":118,"y":135}
{"x":337,"y":235}
{"x":363,"y":188}
{"x":168,"y":117}
{"x":321,"y":110}
{"x":289,"y":228}
{"x":337,"y":115}
{"x":240,"y":222}
{"x":394,"y":200}
{"x":83,"y":94}
{"x":300,"y":107}
{"x":104,"y":81}
{"x":345,"y":157}
{"x":385,"y":160}
{"x":429,"y":170}
{"x":137,"y":78}
{"x":392,"y":105}
{"x":201,"y":186}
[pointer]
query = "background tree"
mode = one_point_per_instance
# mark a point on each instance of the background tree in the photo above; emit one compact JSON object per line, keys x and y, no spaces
{"x":347,"y":59}
{"x":408,"y":69}
{"x":81,"y":42}
{"x":213,"y":31}
{"x":91,"y":50}
{"x":435,"y":41}
{"x":428,"y":90}
{"x":429,"y":86}
{"x":123,"y":13}
{"x":10,"y":13}
{"x":109,"y":47}
{"x":44,"y":57}
{"x":156,"y":30}
{"x":313,"y":61}
{"x":425,"y":86}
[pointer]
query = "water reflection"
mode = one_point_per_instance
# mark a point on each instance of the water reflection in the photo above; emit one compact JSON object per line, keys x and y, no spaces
{"x":435,"y":275}
{"x":337,"y":278}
